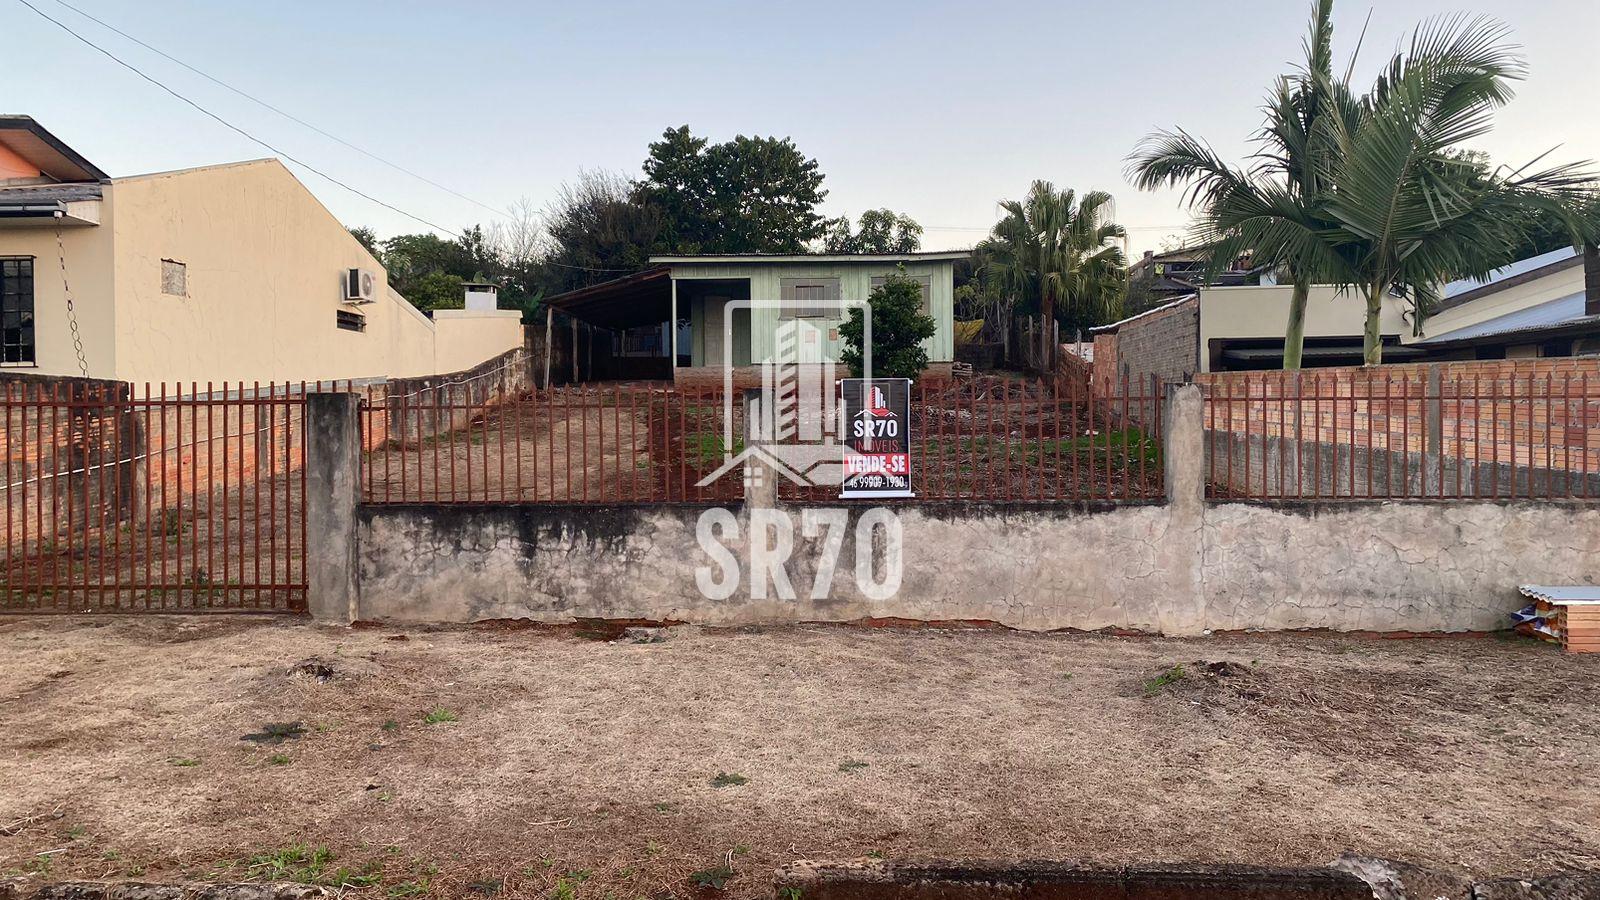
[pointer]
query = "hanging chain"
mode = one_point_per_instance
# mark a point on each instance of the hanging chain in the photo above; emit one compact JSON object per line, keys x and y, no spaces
{"x":72,"y":313}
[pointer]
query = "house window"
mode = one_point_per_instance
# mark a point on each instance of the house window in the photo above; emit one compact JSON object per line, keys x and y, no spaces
{"x":16,"y":311}
{"x":809,"y":298}
{"x":174,"y":278}
{"x":351,"y":321}
{"x":923,"y":281}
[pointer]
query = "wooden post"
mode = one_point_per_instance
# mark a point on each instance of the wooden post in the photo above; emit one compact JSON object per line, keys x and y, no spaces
{"x":575,"y":376}
{"x":549,"y":329}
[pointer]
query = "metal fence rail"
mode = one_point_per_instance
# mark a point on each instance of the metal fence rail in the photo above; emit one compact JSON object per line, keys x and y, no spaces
{"x":990,"y":439}
{"x":1406,"y":434}
{"x":175,"y":498}
{"x":606,"y":443}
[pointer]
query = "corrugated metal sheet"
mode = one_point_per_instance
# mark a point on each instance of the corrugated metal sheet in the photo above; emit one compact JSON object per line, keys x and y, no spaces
{"x":1562,"y":593}
{"x":47,"y":193}
{"x":1511,"y":271}
{"x":1552,"y":312}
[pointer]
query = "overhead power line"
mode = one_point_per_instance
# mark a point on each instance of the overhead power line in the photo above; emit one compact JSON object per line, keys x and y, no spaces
{"x":229,"y":125}
{"x":286,"y":114}
{"x":247,"y":135}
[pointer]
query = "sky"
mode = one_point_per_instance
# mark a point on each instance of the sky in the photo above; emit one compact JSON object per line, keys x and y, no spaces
{"x":936,"y":110}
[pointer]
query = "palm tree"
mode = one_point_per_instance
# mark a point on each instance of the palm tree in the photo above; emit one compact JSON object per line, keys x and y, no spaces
{"x":1269,"y":211}
{"x":1414,"y":211}
{"x":1061,"y":249}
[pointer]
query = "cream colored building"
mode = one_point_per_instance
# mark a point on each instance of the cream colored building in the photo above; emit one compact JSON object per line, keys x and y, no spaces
{"x":1546,"y":305}
{"x":232,"y":272}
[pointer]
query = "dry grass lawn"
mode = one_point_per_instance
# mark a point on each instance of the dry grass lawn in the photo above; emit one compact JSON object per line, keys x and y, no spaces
{"x":536,"y":762}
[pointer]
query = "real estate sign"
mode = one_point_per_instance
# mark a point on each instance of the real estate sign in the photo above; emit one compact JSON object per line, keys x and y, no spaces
{"x":877,"y":437}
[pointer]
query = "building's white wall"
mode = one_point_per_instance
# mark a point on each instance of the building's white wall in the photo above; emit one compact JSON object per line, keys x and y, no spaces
{"x":1554,"y":286}
{"x":265,"y":266}
{"x":466,"y":337}
{"x":88,"y":253}
{"x":855,"y":283}
{"x":1263,"y":312}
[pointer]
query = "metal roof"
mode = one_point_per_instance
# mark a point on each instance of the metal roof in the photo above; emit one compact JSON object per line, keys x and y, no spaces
{"x":48,"y":153}
{"x":1390,"y":352}
{"x":714,"y":258}
{"x":50,"y":193}
{"x":1562,"y":593}
{"x":643,"y":298}
{"x":1520,"y":267}
{"x":1103,"y":329}
{"x":1560,"y":311}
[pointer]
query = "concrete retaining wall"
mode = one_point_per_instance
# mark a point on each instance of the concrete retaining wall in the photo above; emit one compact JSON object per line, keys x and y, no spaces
{"x":1347,"y":566}
{"x":1181,"y":567}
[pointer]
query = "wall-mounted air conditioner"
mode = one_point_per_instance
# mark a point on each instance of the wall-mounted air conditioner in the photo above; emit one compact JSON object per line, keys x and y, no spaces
{"x":360,"y":286}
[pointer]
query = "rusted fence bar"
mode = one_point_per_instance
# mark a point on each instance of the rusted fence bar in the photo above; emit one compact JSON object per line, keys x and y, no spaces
{"x":1414,"y":433}
{"x":158,"y":498}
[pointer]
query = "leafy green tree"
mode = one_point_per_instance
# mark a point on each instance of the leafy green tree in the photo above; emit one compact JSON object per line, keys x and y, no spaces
{"x":597,"y":229}
{"x":898,"y":330}
{"x":877,"y":231}
{"x":747,"y":195}
{"x":1060,"y":249}
{"x":1412,"y":212}
{"x":368,"y":239}
{"x":436,"y":290}
{"x":410,"y":258}
{"x":1272,"y":211}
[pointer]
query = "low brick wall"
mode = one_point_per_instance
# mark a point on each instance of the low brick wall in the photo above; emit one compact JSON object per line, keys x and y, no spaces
{"x":1167,"y":568}
{"x":1242,"y":465}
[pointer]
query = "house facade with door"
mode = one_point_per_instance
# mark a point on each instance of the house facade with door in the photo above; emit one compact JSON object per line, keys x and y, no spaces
{"x":737,"y":311}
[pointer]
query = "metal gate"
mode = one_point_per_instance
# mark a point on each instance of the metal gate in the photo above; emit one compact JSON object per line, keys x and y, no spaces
{"x":170,"y":499}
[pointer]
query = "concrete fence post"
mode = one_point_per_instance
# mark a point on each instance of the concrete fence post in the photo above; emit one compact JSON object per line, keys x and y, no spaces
{"x":333,"y":465}
{"x":1184,"y":453}
{"x":1432,"y":432}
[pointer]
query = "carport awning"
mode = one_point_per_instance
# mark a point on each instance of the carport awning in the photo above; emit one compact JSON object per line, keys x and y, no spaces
{"x":644,"y":298}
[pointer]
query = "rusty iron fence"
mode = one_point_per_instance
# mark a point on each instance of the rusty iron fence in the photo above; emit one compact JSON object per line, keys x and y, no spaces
{"x":588,"y":443}
{"x":173,"y":498}
{"x":1413,"y":433}
{"x":984,"y":439}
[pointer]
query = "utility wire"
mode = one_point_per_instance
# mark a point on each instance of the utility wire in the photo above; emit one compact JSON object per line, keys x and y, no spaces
{"x":232,"y":127}
{"x":287,"y":115}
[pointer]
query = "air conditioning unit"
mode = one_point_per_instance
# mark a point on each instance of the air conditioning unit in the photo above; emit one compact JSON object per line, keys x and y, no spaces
{"x":360,"y":286}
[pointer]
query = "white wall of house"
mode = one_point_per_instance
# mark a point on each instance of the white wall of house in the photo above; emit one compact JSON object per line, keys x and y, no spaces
{"x":263,"y":266}
{"x":88,"y":255}
{"x":1263,"y":312}
{"x":855,"y":284}
{"x":1553,"y":286}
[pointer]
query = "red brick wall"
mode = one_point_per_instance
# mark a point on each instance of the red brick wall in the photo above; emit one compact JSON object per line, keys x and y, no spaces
{"x":1534,"y":412}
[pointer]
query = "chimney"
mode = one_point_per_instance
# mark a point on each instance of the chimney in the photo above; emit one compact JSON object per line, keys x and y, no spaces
{"x":482,"y":297}
{"x":1591,"y":280}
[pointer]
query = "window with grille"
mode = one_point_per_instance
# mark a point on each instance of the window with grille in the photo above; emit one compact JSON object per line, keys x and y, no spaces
{"x":810,"y":298}
{"x":16,"y":311}
{"x":350,"y":321}
{"x":923,"y":281}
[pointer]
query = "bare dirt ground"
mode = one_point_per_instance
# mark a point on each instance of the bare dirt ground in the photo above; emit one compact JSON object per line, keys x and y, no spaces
{"x":540,"y":763}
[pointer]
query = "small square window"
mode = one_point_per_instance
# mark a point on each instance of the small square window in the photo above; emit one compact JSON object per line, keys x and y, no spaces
{"x":350,"y":321}
{"x":174,"y":278}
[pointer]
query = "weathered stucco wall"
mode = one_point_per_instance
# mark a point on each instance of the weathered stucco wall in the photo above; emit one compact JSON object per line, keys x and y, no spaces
{"x":265,"y":265}
{"x":1350,"y":566}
